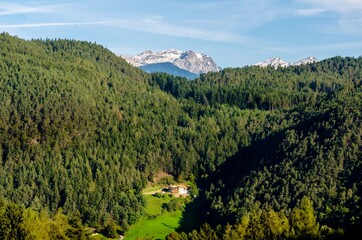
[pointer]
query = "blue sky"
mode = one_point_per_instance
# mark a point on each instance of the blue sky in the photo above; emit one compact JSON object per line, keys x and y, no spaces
{"x":233,"y":33}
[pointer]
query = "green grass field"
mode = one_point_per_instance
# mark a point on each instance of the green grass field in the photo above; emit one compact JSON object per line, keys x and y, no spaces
{"x":155,"y":223}
{"x":158,"y":228}
{"x":152,"y":188}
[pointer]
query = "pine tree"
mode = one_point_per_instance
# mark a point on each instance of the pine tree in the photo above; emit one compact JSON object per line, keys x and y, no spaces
{"x":11,"y":222}
{"x":304,"y":222}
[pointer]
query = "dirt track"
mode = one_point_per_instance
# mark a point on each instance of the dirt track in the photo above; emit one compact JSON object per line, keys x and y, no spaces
{"x":153,"y":192}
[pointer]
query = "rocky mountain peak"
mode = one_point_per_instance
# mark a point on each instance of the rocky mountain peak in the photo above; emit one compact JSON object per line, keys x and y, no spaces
{"x":305,"y":61}
{"x":278,"y":62}
{"x":273,"y":62}
{"x":188,"y":60}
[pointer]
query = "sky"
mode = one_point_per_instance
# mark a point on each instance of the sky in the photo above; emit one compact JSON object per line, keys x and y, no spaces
{"x":233,"y":33}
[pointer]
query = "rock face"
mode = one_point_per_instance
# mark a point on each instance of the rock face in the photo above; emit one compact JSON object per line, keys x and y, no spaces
{"x":278,"y":62}
{"x":188,"y":60}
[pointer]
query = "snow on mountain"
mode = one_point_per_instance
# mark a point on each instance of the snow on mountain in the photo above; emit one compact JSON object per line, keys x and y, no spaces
{"x":273,"y":62}
{"x":187,"y":60}
{"x":305,"y":61}
{"x":278,"y":62}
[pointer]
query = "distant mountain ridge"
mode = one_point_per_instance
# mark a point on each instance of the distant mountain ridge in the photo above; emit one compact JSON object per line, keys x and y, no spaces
{"x":190,"y":61}
{"x":278,"y":62}
{"x":170,"y":69}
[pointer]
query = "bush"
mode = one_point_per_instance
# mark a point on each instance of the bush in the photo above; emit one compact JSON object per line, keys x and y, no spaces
{"x":158,"y":195}
{"x":110,"y":230}
{"x":167,"y":180}
{"x":173,"y":205}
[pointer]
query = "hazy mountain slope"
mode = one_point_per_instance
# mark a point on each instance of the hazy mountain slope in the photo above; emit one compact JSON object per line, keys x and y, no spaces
{"x":170,"y":69}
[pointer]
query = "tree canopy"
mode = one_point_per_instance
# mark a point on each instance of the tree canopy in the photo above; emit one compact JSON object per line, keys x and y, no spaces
{"x":275,"y":152}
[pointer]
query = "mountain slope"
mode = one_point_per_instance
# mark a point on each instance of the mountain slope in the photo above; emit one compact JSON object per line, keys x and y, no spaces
{"x":314,"y":154}
{"x":83,"y":131}
{"x":169,"y":68}
{"x":318,"y":158}
{"x":267,"y":88}
{"x":188,"y":60}
{"x":58,"y":98}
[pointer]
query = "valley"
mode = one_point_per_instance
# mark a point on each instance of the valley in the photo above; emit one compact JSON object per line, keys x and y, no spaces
{"x":161,"y":220}
{"x":88,"y":141}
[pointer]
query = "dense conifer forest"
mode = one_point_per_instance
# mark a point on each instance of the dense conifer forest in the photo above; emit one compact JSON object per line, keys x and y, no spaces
{"x":275,"y":153}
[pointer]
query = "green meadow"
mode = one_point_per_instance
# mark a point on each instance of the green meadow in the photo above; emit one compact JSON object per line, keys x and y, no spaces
{"x":156,"y":223}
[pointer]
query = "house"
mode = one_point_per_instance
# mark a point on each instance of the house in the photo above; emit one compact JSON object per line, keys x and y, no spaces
{"x":177,"y":190}
{"x":183,"y":191}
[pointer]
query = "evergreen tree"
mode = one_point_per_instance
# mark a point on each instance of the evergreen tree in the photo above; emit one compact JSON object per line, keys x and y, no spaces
{"x":303,"y":221}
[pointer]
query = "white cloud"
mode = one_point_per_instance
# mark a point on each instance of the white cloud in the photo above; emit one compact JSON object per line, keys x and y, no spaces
{"x":14,"y":8}
{"x":320,"y":47}
{"x":214,"y":4}
{"x":335,"y":46}
{"x":350,"y":24}
{"x":160,"y":26}
{"x":306,"y":12}
{"x":341,"y":6}
{"x":238,"y":15}
{"x":52,"y":24}
{"x":147,"y":24}
{"x":219,"y":24}
{"x":345,"y":18}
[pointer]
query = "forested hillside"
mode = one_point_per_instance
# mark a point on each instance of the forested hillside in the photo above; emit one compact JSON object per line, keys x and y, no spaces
{"x":266,"y":88}
{"x":316,"y":157}
{"x":82,"y":132}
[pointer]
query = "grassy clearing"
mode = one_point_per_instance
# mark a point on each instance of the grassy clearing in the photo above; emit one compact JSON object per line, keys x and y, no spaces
{"x":156,"y":223}
{"x":154,"y":204}
{"x":158,"y":228}
{"x":152,"y":189}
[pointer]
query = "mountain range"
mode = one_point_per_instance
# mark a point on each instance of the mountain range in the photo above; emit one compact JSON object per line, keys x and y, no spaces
{"x":278,"y":62}
{"x":187,"y":64}
{"x":190,"y":64}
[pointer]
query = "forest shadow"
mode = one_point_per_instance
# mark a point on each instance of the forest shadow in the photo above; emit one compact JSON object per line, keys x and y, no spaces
{"x":262,"y":153}
{"x":191,"y":216}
